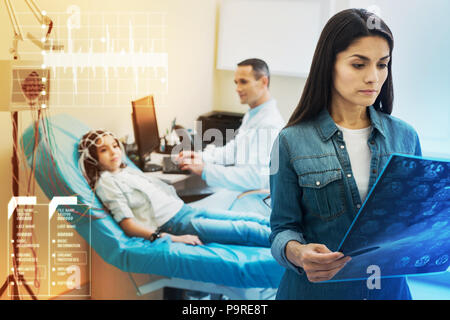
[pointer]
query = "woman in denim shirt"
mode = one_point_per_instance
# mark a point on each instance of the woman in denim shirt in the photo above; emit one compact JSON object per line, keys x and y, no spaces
{"x":330,"y":154}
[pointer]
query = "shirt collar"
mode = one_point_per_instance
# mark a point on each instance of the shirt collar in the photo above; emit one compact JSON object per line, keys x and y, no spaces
{"x":327,"y":128}
{"x":252,"y":112}
{"x":376,"y":121}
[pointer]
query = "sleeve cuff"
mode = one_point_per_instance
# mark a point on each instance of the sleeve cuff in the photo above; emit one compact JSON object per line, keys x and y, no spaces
{"x":205,"y":168}
{"x":208,"y":153}
{"x":121,"y":213}
{"x":279,"y":248}
{"x":211,"y":174}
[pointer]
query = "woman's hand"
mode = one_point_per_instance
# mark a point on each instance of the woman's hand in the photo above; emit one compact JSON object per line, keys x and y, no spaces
{"x":319,"y":263}
{"x":187,"y":238}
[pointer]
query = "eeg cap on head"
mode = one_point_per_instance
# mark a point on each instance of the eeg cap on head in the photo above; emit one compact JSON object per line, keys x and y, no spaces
{"x":88,"y":154}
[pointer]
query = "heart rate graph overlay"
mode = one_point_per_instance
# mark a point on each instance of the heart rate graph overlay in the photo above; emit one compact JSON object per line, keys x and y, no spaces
{"x":109,"y":58}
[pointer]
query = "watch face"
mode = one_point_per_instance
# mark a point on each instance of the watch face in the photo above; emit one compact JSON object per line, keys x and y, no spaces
{"x":155,"y":236}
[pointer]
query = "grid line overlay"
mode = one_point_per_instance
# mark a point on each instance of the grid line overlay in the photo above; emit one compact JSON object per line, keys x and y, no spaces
{"x":106,"y":64}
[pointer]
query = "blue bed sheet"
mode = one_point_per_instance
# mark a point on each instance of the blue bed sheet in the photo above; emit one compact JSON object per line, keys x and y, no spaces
{"x":56,"y":161}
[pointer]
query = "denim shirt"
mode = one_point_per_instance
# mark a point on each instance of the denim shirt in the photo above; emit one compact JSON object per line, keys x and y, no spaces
{"x":314,"y":194}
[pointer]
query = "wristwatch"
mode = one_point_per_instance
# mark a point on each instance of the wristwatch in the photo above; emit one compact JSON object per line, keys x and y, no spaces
{"x":155,"y":235}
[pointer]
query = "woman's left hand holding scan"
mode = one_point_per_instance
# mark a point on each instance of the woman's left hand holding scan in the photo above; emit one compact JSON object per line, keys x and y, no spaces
{"x":319,"y":263}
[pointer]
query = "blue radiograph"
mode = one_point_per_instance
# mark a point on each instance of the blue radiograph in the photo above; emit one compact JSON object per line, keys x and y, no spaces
{"x":404,"y":225}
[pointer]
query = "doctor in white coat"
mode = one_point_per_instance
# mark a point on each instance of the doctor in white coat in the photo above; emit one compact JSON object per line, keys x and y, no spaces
{"x":243,"y":163}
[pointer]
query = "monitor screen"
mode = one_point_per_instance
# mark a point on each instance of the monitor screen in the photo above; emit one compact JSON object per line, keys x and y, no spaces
{"x":145,"y":127}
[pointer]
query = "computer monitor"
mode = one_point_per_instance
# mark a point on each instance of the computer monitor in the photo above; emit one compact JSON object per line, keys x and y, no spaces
{"x":145,"y":128}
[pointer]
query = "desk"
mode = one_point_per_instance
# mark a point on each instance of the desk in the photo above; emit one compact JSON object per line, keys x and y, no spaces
{"x":189,"y":187}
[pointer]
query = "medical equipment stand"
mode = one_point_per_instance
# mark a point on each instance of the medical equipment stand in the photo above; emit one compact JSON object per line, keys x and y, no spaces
{"x":17,"y":278}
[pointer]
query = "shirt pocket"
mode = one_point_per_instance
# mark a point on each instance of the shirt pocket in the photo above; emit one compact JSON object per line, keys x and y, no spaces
{"x":323,"y":193}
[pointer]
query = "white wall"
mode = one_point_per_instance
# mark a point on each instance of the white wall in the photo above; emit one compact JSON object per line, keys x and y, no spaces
{"x":421,"y":70}
{"x":421,"y":67}
{"x":282,"y":33}
{"x":286,"y":90}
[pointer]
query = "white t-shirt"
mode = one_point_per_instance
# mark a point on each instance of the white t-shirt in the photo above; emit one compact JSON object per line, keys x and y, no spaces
{"x":360,"y":156}
{"x":130,"y":193}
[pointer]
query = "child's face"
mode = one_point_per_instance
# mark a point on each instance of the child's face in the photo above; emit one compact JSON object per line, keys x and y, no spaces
{"x":109,"y":153}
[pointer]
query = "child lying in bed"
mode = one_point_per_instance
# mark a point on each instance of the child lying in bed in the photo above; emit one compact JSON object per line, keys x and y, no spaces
{"x":146,"y":207}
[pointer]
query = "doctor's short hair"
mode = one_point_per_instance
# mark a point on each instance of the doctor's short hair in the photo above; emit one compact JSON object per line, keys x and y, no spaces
{"x":260,"y":68}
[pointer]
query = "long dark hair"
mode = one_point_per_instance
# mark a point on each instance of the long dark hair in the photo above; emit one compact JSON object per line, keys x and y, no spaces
{"x":339,"y":33}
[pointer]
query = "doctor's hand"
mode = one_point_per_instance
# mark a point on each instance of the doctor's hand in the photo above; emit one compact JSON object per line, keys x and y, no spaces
{"x":319,"y":263}
{"x":190,"y":160}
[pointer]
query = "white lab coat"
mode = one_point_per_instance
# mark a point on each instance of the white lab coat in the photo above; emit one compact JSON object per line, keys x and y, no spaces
{"x":243,"y":163}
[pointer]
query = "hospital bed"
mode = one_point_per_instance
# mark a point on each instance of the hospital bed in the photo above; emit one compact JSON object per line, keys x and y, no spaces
{"x":238,"y":272}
